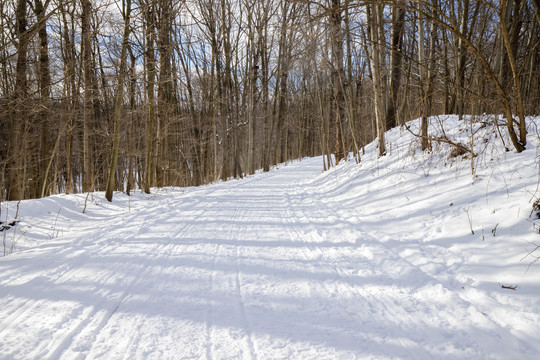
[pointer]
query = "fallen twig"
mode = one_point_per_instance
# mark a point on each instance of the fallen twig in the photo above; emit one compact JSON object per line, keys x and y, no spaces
{"x":494,"y":230}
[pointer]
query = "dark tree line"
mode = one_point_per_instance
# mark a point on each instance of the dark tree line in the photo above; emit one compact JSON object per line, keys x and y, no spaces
{"x":117,"y":95}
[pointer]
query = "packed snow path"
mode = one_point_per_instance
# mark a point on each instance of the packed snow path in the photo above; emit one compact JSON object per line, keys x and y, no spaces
{"x":260,"y":268}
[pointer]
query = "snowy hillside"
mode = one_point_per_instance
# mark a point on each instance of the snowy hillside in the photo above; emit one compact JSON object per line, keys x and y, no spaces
{"x":408,"y":256}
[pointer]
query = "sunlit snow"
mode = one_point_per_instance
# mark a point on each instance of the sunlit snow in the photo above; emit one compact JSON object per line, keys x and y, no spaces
{"x":375,"y":260}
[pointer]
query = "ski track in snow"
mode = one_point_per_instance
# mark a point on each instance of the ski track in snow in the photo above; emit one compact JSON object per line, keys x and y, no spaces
{"x":269,"y":267}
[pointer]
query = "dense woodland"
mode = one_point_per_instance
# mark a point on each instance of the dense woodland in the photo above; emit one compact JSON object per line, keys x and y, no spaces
{"x":133,"y":94}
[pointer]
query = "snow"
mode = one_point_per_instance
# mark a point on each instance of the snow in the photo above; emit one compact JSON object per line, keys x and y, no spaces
{"x":375,"y":260}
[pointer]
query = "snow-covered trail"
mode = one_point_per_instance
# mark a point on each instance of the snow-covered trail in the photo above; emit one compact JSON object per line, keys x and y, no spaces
{"x":260,"y":268}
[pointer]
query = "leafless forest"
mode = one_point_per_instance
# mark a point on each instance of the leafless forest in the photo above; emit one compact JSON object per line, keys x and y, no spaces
{"x":133,"y":94}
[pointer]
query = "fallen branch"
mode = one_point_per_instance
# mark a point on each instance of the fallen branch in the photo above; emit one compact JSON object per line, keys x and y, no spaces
{"x":459,"y":148}
{"x":7,"y":226}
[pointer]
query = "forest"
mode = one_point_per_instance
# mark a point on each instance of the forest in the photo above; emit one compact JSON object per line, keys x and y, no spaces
{"x":107,"y":95}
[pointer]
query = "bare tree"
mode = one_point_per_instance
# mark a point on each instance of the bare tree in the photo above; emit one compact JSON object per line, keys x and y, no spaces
{"x":396,"y":58}
{"x":126,"y":7}
{"x":376,"y":31}
{"x":89,"y":97}
{"x":338,"y":76}
{"x":149,"y":29}
{"x":218,"y":88}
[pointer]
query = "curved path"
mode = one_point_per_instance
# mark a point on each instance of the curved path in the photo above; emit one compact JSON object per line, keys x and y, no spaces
{"x":260,"y":268}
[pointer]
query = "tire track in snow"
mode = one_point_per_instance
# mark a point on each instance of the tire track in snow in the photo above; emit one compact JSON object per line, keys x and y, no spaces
{"x":310,"y":255}
{"x":293,"y":211}
{"x":161,"y":254}
{"x":409,"y":324}
{"x":87,"y":312}
{"x":61,"y":273}
{"x":224,"y":252}
{"x":378,"y":305}
{"x":207,"y":315}
{"x":241,"y":301}
{"x":99,"y":312}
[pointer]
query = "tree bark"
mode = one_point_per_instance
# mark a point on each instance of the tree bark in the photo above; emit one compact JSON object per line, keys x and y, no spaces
{"x":89,"y":98}
{"x":165,"y":89}
{"x":375,"y":24}
{"x":462,"y":57}
{"x":424,"y":84}
{"x":510,"y":35}
{"x":119,"y":101}
{"x":150,"y":81}
{"x":18,"y":114}
{"x":338,"y":78}
{"x":396,"y":58}
{"x":44,"y":90}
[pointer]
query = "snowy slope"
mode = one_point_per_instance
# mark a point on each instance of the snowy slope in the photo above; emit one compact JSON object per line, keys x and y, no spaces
{"x":369,"y":261}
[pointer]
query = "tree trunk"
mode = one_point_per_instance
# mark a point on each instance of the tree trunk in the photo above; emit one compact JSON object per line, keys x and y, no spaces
{"x":18,"y":116}
{"x":375,"y":22}
{"x":72,"y":95}
{"x":131,"y":126}
{"x":165,"y":89}
{"x":150,"y":81}
{"x":351,"y":98}
{"x":338,"y":78}
{"x":398,"y":26}
{"x":89,"y":98}
{"x":44,"y":86}
{"x":510,"y":35}
{"x":462,"y":56}
{"x":119,"y":101}
{"x":424,"y":84}
{"x":281,"y":94}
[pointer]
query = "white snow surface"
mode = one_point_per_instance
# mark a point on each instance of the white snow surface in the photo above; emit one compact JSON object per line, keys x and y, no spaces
{"x":375,"y":260}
